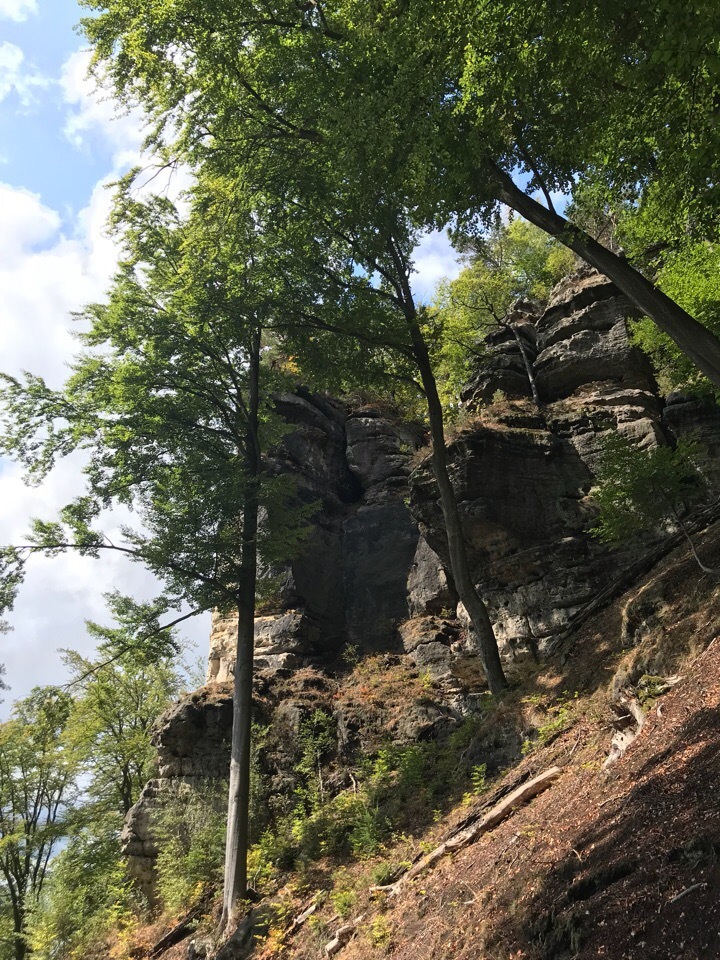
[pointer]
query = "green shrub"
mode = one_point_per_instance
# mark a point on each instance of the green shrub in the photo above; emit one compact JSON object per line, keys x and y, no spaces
{"x":190,"y":831}
{"x":87,"y":896}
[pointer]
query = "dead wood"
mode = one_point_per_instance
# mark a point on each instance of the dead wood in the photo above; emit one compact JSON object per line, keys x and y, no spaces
{"x":483,"y":824}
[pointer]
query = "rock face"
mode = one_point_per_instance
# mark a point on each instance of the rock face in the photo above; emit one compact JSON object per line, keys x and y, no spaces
{"x":349,"y":583}
{"x":373,"y":576}
{"x":523,"y":474}
{"x":193,"y":744}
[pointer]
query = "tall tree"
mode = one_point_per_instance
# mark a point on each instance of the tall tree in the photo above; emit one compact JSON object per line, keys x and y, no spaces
{"x":359,"y":213}
{"x":172,"y":404}
{"x":37,"y":772}
{"x":355,"y":243}
{"x":456,"y":98}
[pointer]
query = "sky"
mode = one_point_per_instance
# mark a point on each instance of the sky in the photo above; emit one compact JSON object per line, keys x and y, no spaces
{"x":62,"y":142}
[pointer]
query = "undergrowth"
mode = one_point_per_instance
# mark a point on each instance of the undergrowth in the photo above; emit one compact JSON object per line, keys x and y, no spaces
{"x":397,"y":791}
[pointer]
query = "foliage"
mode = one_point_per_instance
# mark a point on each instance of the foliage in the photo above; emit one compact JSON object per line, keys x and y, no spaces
{"x":396,"y":790}
{"x":88,"y":897}
{"x":640,"y":491}
{"x":380,"y":932}
{"x":689,"y":275}
{"x":158,"y":398}
{"x":190,"y":828}
{"x":118,"y":696}
{"x":510,"y":262}
{"x":557,"y":716}
{"x":173,"y":407}
{"x":37,"y":770}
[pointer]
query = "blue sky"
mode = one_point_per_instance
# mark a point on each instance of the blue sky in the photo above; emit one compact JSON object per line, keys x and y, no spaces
{"x":36,"y":154}
{"x":60,"y":145}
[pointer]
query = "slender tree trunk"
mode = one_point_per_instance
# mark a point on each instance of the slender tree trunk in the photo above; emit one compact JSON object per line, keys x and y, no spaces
{"x":695,"y":340}
{"x":19,"y":933}
{"x":477,"y":611}
{"x":527,"y":362}
{"x":686,"y":533}
{"x":235,"y":880}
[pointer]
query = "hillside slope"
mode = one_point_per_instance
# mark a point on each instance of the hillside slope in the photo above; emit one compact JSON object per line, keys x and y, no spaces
{"x":617,"y":863}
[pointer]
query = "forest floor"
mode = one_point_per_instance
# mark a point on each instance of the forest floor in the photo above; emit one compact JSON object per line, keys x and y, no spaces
{"x":619,"y":862}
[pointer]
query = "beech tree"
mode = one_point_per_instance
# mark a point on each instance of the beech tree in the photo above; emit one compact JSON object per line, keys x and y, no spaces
{"x":454,"y":98}
{"x":171,"y":403}
{"x":37,"y":771}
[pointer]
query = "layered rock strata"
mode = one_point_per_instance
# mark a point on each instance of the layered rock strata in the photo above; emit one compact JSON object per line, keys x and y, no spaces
{"x":373,"y":576}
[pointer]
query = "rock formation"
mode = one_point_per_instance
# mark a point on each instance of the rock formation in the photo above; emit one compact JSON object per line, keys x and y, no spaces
{"x":373,"y":575}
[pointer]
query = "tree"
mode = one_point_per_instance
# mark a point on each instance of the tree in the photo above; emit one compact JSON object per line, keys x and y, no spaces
{"x":172,"y":404}
{"x":118,"y":695}
{"x":353,"y":242}
{"x":234,"y":126}
{"x":87,"y":895}
{"x":642,"y":491}
{"x":452,"y":98}
{"x":37,"y":771}
{"x":514,"y":261}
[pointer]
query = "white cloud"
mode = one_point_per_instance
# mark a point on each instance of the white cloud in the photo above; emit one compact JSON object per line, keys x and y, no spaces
{"x":94,"y":116}
{"x":435,"y":260}
{"x":45,"y":274}
{"x":94,"y":113}
{"x":16,"y":77}
{"x":17,"y":9}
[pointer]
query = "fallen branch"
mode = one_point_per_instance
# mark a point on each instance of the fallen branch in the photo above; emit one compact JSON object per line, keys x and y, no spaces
{"x":461,"y":838}
{"x":624,"y":737}
{"x":181,"y":930}
{"x":685,"y":892}
{"x":343,"y":936}
{"x":503,"y":809}
{"x":301,"y":918}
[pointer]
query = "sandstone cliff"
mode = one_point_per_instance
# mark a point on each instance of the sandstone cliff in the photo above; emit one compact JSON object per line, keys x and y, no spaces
{"x":373,"y":576}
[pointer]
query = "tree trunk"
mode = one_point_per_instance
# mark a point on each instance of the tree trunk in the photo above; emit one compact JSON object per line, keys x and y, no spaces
{"x":20,"y":943}
{"x":236,"y":848}
{"x":459,"y":565}
{"x":695,"y":340}
{"x":527,"y":362}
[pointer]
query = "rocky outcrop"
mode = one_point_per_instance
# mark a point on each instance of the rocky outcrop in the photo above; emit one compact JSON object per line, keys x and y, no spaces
{"x":192,"y":740}
{"x":349,"y":582}
{"x":373,"y":576}
{"x":523,"y":474}
{"x":582,"y":338}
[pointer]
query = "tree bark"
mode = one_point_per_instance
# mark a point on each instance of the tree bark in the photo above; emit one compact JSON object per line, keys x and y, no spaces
{"x":695,"y":340}
{"x":467,"y":592}
{"x":527,"y":362}
{"x":236,"y":848}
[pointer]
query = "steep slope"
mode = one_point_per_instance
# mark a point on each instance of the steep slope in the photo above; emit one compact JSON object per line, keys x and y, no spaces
{"x":621,"y":862}
{"x":365,"y":633}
